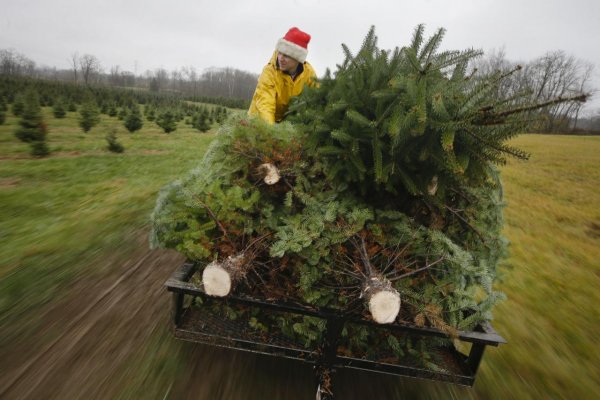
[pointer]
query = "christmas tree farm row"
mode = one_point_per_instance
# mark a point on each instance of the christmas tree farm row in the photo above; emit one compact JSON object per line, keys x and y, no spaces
{"x":89,"y":103}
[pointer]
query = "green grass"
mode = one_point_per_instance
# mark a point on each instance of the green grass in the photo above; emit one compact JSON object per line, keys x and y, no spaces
{"x":552,"y":316}
{"x":61,"y":211}
{"x":81,"y":203}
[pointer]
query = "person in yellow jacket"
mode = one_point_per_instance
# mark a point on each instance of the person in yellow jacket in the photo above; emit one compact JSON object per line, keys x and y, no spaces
{"x":283,"y":77}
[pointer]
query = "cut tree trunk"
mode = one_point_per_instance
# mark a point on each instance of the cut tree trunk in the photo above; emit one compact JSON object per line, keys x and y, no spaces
{"x":220,"y":278}
{"x":271,"y":173}
{"x":382,"y":299}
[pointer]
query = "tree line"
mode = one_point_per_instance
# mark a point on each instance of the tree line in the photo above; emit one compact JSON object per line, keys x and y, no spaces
{"x":226,"y":83}
{"x":552,"y":75}
{"x":555,"y":74}
{"x":24,"y":98}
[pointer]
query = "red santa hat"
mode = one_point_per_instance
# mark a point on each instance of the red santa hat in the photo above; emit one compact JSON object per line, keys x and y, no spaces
{"x":294,"y":44}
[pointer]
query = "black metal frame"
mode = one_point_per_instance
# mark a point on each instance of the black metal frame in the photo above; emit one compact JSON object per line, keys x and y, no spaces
{"x":192,"y":325}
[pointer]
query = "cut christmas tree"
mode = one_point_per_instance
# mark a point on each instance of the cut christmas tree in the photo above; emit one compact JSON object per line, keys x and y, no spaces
{"x":379,"y":196}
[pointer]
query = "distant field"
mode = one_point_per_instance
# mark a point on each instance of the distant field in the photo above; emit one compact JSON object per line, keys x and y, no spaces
{"x":83,"y":203}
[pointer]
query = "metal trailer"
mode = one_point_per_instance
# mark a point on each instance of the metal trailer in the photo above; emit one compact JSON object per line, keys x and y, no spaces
{"x":197,"y":325}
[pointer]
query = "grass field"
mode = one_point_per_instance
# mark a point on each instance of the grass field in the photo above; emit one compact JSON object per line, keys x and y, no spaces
{"x":83,"y":203}
{"x":552,"y":316}
{"x":60,"y":212}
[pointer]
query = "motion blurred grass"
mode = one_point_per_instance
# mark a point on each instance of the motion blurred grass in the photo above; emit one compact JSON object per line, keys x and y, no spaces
{"x":81,"y":203}
{"x":59,"y":213}
{"x":552,"y":316}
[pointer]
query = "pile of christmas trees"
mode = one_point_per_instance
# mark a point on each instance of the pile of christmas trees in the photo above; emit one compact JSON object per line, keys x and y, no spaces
{"x":379,"y":195}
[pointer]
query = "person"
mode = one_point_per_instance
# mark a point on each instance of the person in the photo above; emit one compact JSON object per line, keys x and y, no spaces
{"x":283,"y":77}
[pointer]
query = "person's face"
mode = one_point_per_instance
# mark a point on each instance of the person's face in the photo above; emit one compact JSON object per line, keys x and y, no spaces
{"x":286,"y":63}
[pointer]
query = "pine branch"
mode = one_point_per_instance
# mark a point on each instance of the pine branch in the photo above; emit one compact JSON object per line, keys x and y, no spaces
{"x":364,"y":256}
{"x":457,"y":214}
{"x":496,"y":118}
{"x":216,"y":220}
{"x":397,"y":253}
{"x":417,"y":38}
{"x":496,"y":147}
{"x":427,"y":266}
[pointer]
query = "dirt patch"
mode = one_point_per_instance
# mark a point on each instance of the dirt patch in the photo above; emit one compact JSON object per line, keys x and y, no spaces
{"x":16,"y":157}
{"x":593,"y":230}
{"x":77,"y":153}
{"x":67,"y":154}
{"x":104,"y":318}
{"x":74,"y":154}
{"x":9,"y":182}
{"x":152,"y":152}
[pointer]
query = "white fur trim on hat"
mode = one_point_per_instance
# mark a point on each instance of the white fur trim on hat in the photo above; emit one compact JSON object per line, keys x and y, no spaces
{"x":292,"y":50}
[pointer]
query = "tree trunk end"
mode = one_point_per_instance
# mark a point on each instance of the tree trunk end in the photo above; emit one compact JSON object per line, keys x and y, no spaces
{"x":216,"y":280}
{"x":220,"y":278}
{"x":382,"y":299}
{"x":384,"y":306}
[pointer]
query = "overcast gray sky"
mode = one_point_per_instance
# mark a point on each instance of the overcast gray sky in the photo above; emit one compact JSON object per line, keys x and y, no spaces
{"x":144,"y":35}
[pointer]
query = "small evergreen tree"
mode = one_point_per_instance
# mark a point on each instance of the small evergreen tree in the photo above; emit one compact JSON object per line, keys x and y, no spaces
{"x":221,"y":115}
{"x":104,"y":107}
{"x":150,"y":113}
{"x":46,"y":100}
{"x":89,"y":115}
{"x":200,"y":122}
{"x":166,"y":120}
{"x":112,"y":109}
{"x":113,"y":145}
{"x":31,"y":119}
{"x":18,"y":105}
{"x":32,"y":128}
{"x":39,"y":149}
{"x":58,"y":109}
{"x":217,"y":114}
{"x":72,"y":107}
{"x":133,"y":121}
{"x":2,"y":110}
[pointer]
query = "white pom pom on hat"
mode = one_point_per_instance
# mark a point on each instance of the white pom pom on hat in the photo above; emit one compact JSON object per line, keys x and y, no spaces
{"x":294,"y":44}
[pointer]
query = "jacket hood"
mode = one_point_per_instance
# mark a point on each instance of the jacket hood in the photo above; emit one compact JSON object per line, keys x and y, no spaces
{"x":273,"y":60}
{"x":274,"y":64}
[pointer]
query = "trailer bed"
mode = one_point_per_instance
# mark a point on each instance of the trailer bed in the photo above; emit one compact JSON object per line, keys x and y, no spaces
{"x":198,"y":324}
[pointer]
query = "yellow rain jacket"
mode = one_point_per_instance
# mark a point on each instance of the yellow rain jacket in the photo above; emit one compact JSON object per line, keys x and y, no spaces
{"x":275,"y":88}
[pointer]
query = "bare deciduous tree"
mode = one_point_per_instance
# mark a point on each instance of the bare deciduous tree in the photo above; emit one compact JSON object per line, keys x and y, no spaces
{"x":74,"y":63}
{"x":90,"y":68}
{"x":114,"y":75}
{"x":15,"y":63}
{"x":159,"y":79}
{"x":553,"y":75}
